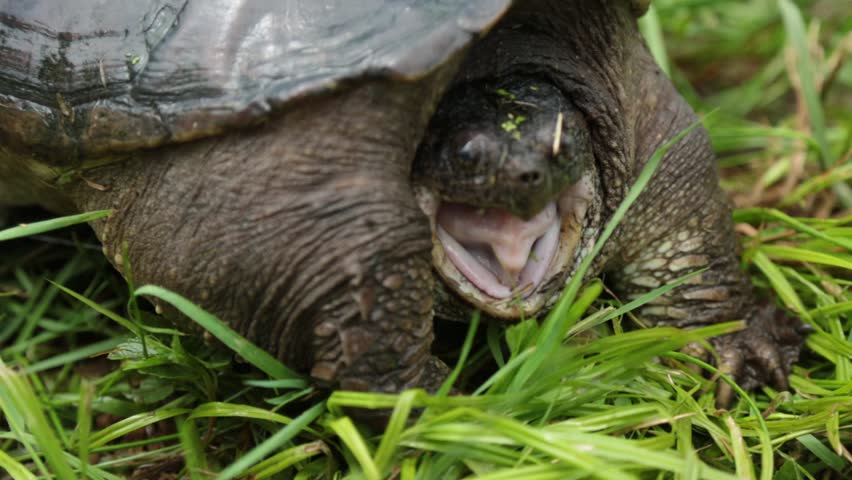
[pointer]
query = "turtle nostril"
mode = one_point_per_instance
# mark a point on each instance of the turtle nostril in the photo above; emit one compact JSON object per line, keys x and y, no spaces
{"x":530,"y":179}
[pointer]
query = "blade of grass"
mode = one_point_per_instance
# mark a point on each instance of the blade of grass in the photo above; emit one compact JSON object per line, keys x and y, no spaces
{"x":657,"y":292}
{"x":557,"y":322}
{"x":250,"y":352}
{"x":87,"y":351}
{"x":838,"y":175}
{"x":345,"y":429}
{"x":132,"y":423}
{"x":649,"y":25}
{"x":575,"y":448}
{"x":782,"y":252}
{"x":273,"y":443}
{"x":103,"y":311}
{"x":780,"y":284}
{"x":537,"y":472}
{"x":823,"y":453}
{"x":286,"y":383}
{"x":797,"y":37}
{"x":831,"y":310}
{"x":282,"y":460}
{"x":193,"y":451}
{"x":22,"y":406}
{"x":84,"y":424}
{"x":14,"y":469}
{"x":742,"y":459}
{"x":465,"y":351}
{"x":393,"y":432}
{"x":761,"y":214}
{"x":220,"y":409}
{"x":132,"y":303}
{"x":49,"y":225}
{"x":763,"y":430}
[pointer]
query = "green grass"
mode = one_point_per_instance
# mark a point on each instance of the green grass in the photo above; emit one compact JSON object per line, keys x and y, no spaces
{"x":93,"y":387}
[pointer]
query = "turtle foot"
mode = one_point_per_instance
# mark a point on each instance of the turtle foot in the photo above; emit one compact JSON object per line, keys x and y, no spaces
{"x":762,"y":354}
{"x":433,"y":376}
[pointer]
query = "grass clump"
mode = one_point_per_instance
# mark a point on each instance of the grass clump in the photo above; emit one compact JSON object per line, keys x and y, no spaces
{"x":92,"y":388}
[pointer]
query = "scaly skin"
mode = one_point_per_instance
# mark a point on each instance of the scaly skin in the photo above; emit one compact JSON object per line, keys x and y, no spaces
{"x":681,"y":223}
{"x":303,"y":234}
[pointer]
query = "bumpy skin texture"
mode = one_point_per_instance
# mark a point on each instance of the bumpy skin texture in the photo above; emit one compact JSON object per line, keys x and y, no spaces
{"x":681,"y":223}
{"x":303,"y":234}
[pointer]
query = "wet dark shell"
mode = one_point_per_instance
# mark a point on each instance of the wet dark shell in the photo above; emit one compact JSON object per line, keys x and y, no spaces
{"x":84,"y":78}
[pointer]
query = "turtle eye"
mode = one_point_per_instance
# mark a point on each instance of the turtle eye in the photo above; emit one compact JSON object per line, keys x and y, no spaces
{"x":472,"y":149}
{"x":467,"y":153}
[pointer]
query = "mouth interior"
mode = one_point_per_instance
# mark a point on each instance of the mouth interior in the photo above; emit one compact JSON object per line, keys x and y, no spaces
{"x":499,"y":253}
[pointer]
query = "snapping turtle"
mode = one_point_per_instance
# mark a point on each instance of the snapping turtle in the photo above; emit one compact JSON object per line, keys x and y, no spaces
{"x":258,"y":155}
{"x":547,"y":125}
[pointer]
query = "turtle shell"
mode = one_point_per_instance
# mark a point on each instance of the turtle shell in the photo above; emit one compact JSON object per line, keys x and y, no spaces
{"x":84,"y":78}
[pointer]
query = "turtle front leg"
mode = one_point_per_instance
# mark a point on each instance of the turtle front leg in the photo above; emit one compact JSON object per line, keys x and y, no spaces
{"x":682,"y":223}
{"x":303,"y":234}
{"x":761,"y":353}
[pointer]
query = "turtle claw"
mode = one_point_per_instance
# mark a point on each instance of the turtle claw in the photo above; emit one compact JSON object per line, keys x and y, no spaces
{"x":762,"y":354}
{"x":724,"y":395}
{"x":731,"y":362}
{"x":696,"y":350}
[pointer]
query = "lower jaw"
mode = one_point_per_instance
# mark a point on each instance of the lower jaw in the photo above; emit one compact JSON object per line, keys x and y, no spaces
{"x":572,"y":204}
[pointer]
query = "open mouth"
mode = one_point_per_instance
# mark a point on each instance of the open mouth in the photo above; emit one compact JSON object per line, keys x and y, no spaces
{"x":504,"y":265}
{"x":499,"y":253}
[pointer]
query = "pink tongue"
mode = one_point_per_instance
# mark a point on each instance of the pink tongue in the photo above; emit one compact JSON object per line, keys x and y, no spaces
{"x":497,"y":251}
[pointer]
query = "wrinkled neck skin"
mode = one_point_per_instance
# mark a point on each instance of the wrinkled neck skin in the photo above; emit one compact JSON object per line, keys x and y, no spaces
{"x":593,"y":53}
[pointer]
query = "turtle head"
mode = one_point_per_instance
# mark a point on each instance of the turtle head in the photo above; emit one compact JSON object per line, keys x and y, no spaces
{"x":513,"y":144}
{"x":500,"y":173}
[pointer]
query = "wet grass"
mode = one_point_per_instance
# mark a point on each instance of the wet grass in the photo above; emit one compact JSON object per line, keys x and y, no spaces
{"x":94,"y":386}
